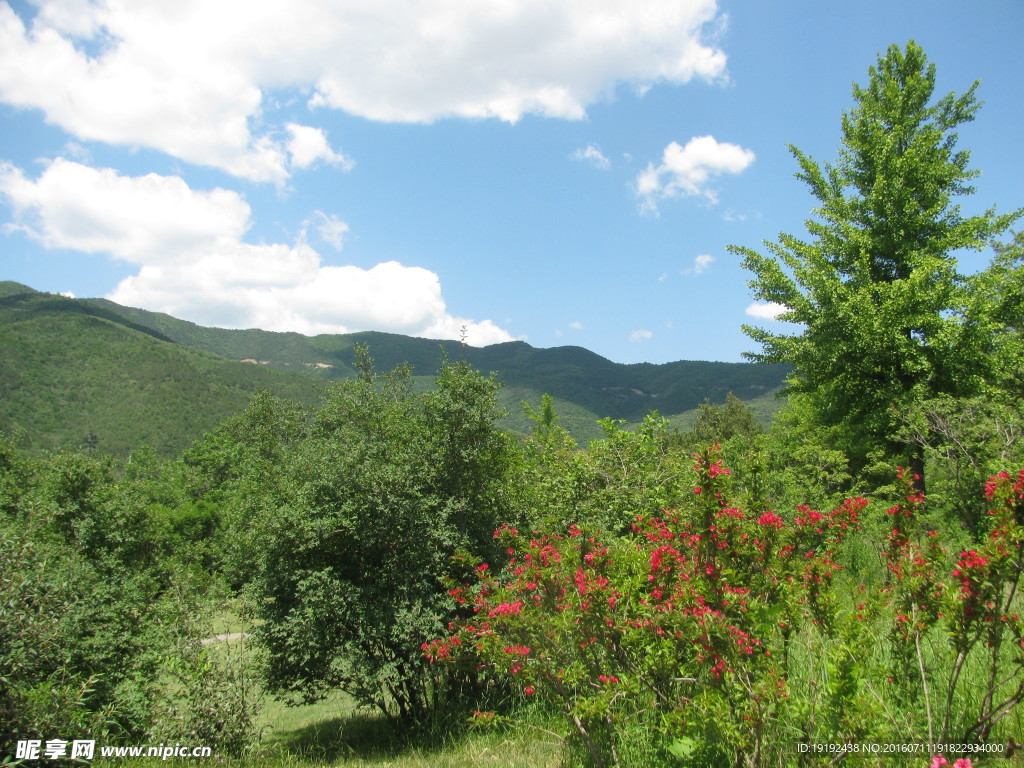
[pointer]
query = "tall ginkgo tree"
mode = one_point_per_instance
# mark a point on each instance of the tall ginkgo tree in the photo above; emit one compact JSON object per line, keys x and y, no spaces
{"x":885,"y":317}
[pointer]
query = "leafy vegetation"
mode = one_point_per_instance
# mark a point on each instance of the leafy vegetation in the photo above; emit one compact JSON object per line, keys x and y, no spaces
{"x":352,"y":549}
{"x":887,"y":319}
{"x":68,"y":373}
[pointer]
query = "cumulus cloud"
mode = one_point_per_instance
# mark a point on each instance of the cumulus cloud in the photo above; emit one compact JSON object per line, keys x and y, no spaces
{"x":640,"y":335}
{"x":687,"y":170}
{"x":769,"y":310}
{"x":592,"y":154}
{"x":194,"y":264}
{"x":308,"y":145}
{"x":144,"y":219}
{"x":192,"y":78}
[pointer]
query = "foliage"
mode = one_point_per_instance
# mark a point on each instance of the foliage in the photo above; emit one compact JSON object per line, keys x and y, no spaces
{"x":216,"y":699}
{"x":74,"y":651}
{"x":1000,"y":291}
{"x":965,"y":441}
{"x":687,"y":624}
{"x":87,"y":566}
{"x":363,"y":525}
{"x":887,"y":319}
{"x":701,"y":622}
{"x":980,"y":679}
{"x":68,"y":371}
{"x":625,"y":473}
{"x":718,"y":423}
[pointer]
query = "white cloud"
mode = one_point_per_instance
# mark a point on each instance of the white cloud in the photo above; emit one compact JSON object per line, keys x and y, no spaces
{"x":144,"y":219}
{"x":592,"y":154}
{"x":640,"y":335}
{"x":307,"y":145}
{"x":67,"y":294}
{"x":700,"y":265}
{"x":76,"y":151}
{"x":194,"y":264}
{"x":192,"y":78}
{"x":767,"y":310}
{"x":687,"y":170}
{"x":330,"y":228}
{"x":576,"y":325}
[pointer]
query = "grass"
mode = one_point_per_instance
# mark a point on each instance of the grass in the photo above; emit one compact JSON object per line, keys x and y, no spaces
{"x":336,"y":732}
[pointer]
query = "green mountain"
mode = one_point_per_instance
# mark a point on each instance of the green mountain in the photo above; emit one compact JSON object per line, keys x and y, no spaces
{"x":69,"y":370}
{"x":572,"y":374}
{"x":74,"y":367}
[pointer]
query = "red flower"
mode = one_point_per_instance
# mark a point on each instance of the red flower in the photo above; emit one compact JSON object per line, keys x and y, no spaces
{"x":504,"y":608}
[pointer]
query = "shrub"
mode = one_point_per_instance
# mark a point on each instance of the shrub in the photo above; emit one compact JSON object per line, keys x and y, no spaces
{"x":733,"y":634}
{"x":352,"y":547}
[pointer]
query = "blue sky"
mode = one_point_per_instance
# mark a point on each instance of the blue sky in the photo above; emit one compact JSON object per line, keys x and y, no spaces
{"x":560,"y":171}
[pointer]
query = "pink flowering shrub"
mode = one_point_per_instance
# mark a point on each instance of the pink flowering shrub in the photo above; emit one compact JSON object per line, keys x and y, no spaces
{"x":690,"y":624}
{"x":962,"y":606}
{"x":688,"y":620}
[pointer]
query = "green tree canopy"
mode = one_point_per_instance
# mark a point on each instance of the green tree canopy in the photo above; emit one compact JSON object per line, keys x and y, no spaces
{"x":717,"y":423}
{"x":886,"y":317}
{"x":376,"y":508}
{"x":1001,"y":289}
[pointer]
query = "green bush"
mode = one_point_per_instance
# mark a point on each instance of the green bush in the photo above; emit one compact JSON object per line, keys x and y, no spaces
{"x":72,"y":660}
{"x":353,"y":542}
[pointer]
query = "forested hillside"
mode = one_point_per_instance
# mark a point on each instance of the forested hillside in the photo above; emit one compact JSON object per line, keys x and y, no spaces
{"x":74,"y":369}
{"x":74,"y":375}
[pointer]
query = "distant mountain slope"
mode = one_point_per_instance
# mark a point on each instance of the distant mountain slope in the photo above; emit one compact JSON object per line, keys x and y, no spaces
{"x":573,"y":374}
{"x":67,"y":371}
{"x":69,"y":367}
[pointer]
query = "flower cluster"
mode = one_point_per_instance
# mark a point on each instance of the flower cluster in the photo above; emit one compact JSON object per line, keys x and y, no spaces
{"x":700,"y":602}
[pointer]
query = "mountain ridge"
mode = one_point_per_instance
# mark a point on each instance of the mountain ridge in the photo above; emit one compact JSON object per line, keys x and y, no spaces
{"x":226,"y":366}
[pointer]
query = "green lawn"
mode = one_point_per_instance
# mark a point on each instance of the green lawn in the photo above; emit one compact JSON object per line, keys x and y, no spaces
{"x":335,"y":732}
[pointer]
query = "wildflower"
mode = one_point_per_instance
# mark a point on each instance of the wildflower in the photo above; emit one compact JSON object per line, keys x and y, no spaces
{"x":506,"y":608}
{"x":717,"y":469}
